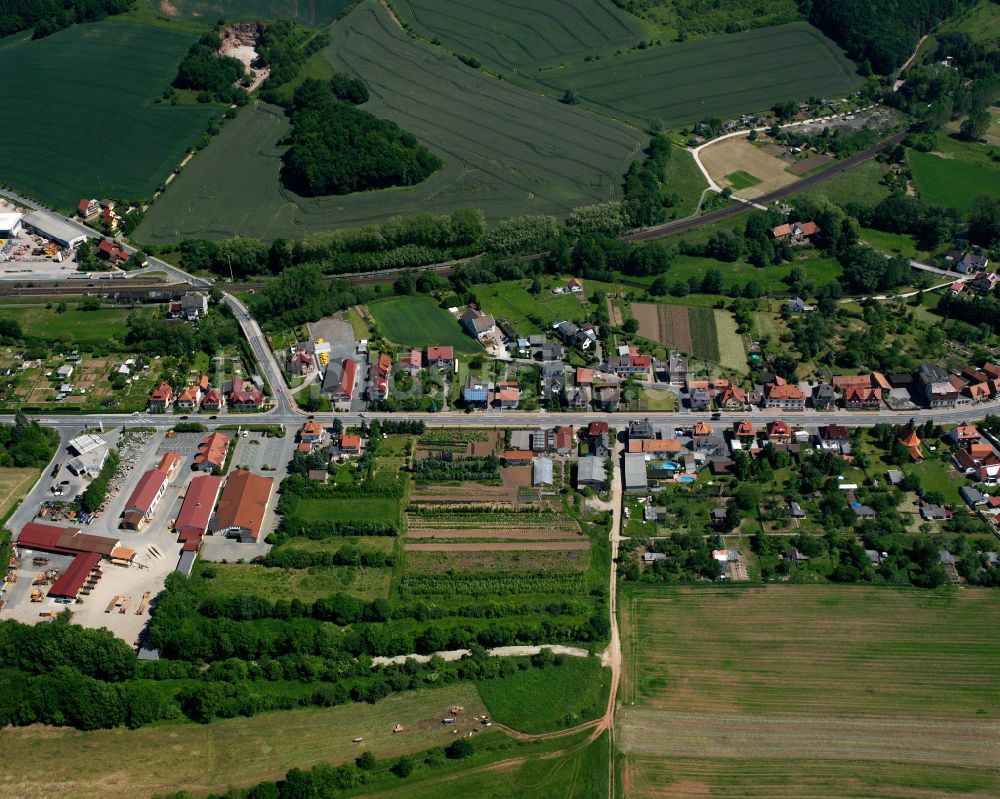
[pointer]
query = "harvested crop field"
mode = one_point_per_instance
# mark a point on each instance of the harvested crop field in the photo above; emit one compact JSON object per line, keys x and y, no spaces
{"x":463,"y":494}
{"x":506,"y":150}
{"x":881,"y":692}
{"x":500,"y":546}
{"x":62,"y":91}
{"x":719,"y":76}
{"x":809,"y":164}
{"x":732,"y":157}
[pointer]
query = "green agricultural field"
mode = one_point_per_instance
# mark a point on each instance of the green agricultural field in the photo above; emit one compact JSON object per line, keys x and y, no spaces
{"x":553,"y":698}
{"x":419,"y":322}
{"x":81,"y":328}
{"x":382,"y":510}
{"x":506,"y":150}
{"x":519,"y":37}
{"x":742,"y":180}
{"x":307,"y":585}
{"x":954,"y":175}
{"x":81,"y":117}
{"x":882,"y":692}
{"x":511,"y":300}
{"x":308,"y":12}
{"x":167,"y":758}
{"x":722,"y":76}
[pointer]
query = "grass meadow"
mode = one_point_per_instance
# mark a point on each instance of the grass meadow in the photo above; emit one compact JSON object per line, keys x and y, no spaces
{"x":511,"y":300}
{"x":81,"y":113}
{"x":199,"y":758}
{"x":506,"y":150}
{"x":307,"y":585}
{"x":15,"y":483}
{"x":553,"y":698}
{"x":522,"y":38}
{"x":955,"y":174}
{"x":881,"y":692}
{"x":685,"y":82}
{"x":81,"y":328}
{"x":419,"y":322}
{"x":383,"y":510}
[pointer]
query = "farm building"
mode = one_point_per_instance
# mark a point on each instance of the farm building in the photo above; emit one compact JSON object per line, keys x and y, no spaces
{"x":634,"y":473}
{"x":590,"y":472}
{"x":196,"y":511}
{"x":54,"y":228}
{"x":10,"y":225}
{"x":242,"y":506}
{"x":541,"y":472}
{"x":142,"y":502}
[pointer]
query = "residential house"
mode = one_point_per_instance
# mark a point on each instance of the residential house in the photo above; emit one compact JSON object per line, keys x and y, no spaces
{"x":908,"y":438}
{"x":590,"y":472}
{"x":824,"y":396}
{"x":88,"y":208}
{"x":795,"y":232}
{"x":312,"y":432}
{"x":972,"y":496}
{"x":301,"y":361}
{"x":563,"y":439}
{"x":653,"y":513}
{"x":161,"y":399}
{"x":732,"y":398}
{"x":717,"y":518}
{"x":211,"y":454}
{"x":956,"y":287}
{"x":577,"y":398}
{"x":862,"y":399}
{"x":350,"y":444}
{"x":476,"y":323}
{"x":553,"y":378}
{"x":508,"y":397}
{"x":378,"y":378}
{"x":244,"y":395}
{"x":475,"y":391}
{"x":597,"y":439}
{"x":677,"y":369}
{"x":608,"y":398}
{"x":441,"y":357}
{"x":584,"y":377}
{"x":629,"y":364}
{"x":744,"y":430}
{"x":549,"y":351}
{"x":340,"y":380}
{"x":111,"y":252}
{"x":936,"y":387}
{"x":834,"y":437}
{"x":934,"y":513}
{"x":214,"y":400}
{"x":699,"y":400}
{"x":798,"y":305}
{"x":189,"y":399}
{"x":985,"y":283}
{"x":779,"y":432}
{"x":788,"y":397}
{"x":410,"y":361}
{"x":574,"y":285}
{"x":194,"y":305}
{"x":970,"y":264}
{"x":641,"y":428}
{"x":964,"y":434}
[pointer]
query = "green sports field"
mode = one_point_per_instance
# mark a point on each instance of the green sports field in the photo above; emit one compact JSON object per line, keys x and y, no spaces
{"x":506,"y":150}
{"x":522,"y":37}
{"x":79,"y":112}
{"x":419,"y":322}
{"x":306,"y":12}
{"x":819,"y":691}
{"x":685,"y":82}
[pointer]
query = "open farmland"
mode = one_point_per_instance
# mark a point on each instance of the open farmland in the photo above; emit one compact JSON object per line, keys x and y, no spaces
{"x":522,"y":37}
{"x":875,"y":692}
{"x":506,"y":150}
{"x":167,"y":758}
{"x":81,"y":118}
{"x":723,"y":76}
{"x":306,"y":12}
{"x":420,"y":322}
{"x":747,"y":169}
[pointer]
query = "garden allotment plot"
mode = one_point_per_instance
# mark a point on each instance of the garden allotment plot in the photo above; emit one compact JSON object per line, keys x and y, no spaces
{"x":506,"y":150}
{"x":722,"y":76}
{"x":522,"y":36}
{"x":80,"y":118}
{"x":818,"y":691}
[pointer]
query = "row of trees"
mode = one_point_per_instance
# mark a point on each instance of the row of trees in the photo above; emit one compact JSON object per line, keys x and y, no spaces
{"x":48,"y":16}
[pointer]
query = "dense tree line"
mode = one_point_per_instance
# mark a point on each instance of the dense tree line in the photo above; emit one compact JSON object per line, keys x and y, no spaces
{"x":156,"y":335}
{"x":336,"y":148}
{"x":973,"y":310}
{"x":285,"y":46}
{"x":301,"y":294}
{"x":930,"y":225}
{"x":26,"y":443}
{"x":204,"y":69}
{"x":347,"y":555}
{"x":48,"y":16}
{"x":878,"y":35}
{"x":647,"y":194}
